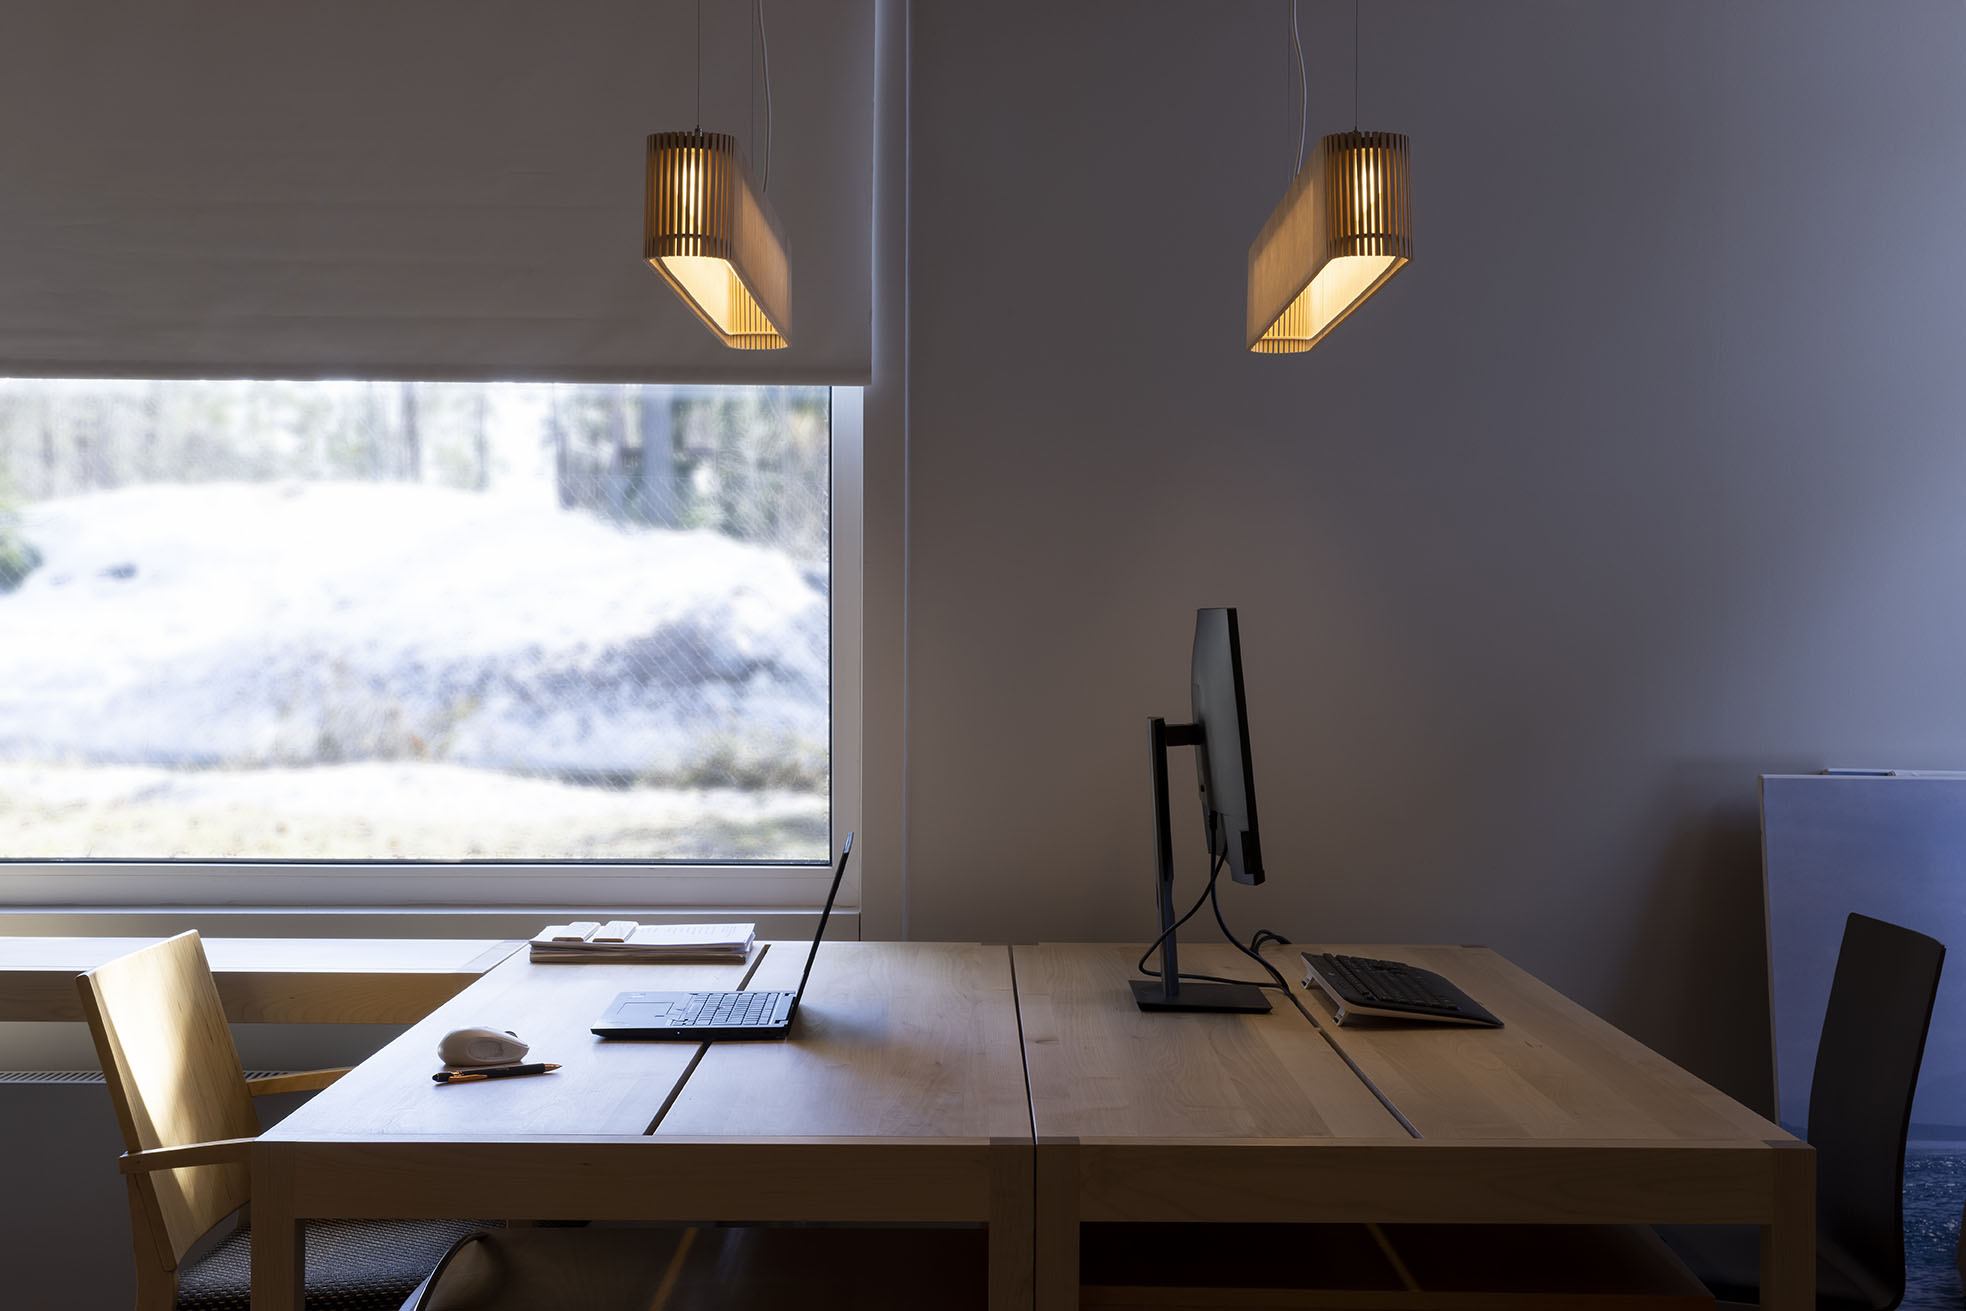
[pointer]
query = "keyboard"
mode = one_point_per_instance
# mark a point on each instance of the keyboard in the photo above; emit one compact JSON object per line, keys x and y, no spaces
{"x":698,"y":1016}
{"x":726,"y":1009}
{"x":1390,"y":989}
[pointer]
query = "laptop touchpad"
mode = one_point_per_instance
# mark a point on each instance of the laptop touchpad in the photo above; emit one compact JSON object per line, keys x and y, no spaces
{"x":642,"y":1010}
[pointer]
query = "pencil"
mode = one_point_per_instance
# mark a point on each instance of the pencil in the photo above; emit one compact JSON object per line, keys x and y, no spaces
{"x":495,"y":1072}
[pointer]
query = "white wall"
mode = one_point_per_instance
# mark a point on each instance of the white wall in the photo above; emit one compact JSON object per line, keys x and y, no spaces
{"x":1642,"y":478}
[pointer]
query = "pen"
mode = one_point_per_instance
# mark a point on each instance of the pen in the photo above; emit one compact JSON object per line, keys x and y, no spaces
{"x":495,"y":1072}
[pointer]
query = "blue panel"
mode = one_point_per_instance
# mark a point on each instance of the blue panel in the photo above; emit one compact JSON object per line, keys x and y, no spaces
{"x":1893,"y":847}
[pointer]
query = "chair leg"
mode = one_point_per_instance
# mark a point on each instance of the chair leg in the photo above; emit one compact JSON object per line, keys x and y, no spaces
{"x":1959,"y":1253}
{"x":156,"y":1281}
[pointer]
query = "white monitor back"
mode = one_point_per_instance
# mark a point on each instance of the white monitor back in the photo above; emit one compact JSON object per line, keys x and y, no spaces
{"x":1892,"y":846}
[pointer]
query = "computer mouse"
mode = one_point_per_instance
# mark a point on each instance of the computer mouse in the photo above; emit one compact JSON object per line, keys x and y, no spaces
{"x":481,"y":1047}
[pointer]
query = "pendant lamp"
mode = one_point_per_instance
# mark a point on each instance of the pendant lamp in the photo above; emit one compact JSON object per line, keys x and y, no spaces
{"x":708,"y":229}
{"x":1341,"y":231}
{"x":710,"y":232}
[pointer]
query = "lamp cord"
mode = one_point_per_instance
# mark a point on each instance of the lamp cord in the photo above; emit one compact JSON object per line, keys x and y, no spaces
{"x":1303,"y":90}
{"x":764,"y":46}
{"x":1354,"y":65}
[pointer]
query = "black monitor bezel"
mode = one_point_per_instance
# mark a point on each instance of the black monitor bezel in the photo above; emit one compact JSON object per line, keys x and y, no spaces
{"x":1215,"y":681}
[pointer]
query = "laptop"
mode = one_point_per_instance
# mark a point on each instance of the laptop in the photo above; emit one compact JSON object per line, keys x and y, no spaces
{"x":702,"y":1016}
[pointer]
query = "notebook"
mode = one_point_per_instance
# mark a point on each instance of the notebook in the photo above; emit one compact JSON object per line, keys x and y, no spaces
{"x":624,"y":942}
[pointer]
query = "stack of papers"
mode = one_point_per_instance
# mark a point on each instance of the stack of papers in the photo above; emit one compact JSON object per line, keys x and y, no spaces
{"x":624,"y":942}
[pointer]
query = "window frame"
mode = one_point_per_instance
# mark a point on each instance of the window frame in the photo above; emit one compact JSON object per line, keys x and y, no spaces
{"x":385,"y":885}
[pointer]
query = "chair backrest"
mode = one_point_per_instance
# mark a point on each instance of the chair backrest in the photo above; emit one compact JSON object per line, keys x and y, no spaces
{"x":1880,"y":1005}
{"x":175,"y":1079}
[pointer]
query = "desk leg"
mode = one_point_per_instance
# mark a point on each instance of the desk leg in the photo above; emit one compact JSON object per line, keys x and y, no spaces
{"x":1057,"y":1224}
{"x":1010,"y":1224}
{"x":1788,"y":1244}
{"x":279,"y":1261}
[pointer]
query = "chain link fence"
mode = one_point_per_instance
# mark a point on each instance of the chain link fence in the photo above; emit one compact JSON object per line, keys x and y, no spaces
{"x":345,"y":620}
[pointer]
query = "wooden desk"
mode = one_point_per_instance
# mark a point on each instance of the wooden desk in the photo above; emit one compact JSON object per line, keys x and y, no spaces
{"x":1558,"y":1118}
{"x":900,"y":1098}
{"x":267,"y":980}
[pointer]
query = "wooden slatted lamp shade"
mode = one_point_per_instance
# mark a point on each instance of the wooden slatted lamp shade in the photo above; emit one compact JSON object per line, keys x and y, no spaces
{"x":1341,"y":231}
{"x":710,"y":232}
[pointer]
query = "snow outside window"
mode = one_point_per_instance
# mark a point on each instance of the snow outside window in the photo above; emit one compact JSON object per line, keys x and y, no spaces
{"x":447,"y":622}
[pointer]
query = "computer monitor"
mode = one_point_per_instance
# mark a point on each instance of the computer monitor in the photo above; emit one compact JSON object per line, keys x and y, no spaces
{"x":1228,"y":791}
{"x":1220,"y":735}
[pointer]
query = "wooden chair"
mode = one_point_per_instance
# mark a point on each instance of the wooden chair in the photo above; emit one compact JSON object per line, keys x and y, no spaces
{"x":186,"y":1111}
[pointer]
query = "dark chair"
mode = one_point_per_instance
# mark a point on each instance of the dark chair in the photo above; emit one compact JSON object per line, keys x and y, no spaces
{"x":186,"y":1110}
{"x":1880,"y":1005}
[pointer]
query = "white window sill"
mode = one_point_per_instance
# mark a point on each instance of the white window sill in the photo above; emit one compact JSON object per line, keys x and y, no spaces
{"x":388,"y":922}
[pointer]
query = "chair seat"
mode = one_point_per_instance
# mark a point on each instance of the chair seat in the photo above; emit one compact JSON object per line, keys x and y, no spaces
{"x":1727,"y":1258}
{"x":352,"y":1265}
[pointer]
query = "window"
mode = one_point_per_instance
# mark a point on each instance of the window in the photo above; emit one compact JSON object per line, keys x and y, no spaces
{"x":423,"y":640}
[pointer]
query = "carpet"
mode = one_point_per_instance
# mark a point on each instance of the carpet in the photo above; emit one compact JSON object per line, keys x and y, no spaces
{"x":1935,"y":1190}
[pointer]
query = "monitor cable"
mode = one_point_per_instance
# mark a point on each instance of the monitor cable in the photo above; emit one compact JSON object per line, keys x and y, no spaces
{"x":1207,"y":895}
{"x":1154,"y":946}
{"x":1250,"y":950}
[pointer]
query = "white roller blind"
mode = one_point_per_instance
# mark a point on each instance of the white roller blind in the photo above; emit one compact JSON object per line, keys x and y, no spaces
{"x":411,"y":188}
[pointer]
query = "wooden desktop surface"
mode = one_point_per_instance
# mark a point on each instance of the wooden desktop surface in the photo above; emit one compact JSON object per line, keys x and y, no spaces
{"x":266,"y":980}
{"x":1555,"y":1071}
{"x":1555,"y":1118}
{"x":898,"y":1040}
{"x":600,"y":1088}
{"x":1100,"y":1068}
{"x":899,"y":1097}
{"x":903,"y":1095}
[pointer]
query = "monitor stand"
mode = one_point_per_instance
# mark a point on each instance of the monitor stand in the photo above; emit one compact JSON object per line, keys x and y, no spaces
{"x":1169,"y":992}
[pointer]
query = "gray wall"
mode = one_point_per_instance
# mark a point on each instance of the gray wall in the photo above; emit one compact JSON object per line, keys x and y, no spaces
{"x":1643,"y":477}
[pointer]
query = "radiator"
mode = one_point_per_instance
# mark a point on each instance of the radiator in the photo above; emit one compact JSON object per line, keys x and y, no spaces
{"x":64,"y":1217}
{"x":64,"y":1212}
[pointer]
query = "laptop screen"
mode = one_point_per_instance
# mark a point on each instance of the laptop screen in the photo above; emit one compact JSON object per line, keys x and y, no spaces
{"x":846,"y":850}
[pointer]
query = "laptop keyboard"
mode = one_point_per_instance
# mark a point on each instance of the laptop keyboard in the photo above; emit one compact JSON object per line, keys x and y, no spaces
{"x":725,"y":1009}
